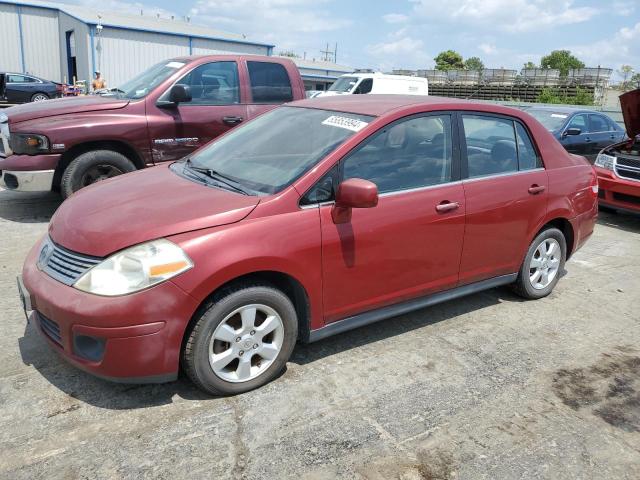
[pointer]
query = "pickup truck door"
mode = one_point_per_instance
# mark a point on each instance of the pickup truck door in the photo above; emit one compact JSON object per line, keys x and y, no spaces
{"x":218,"y":103}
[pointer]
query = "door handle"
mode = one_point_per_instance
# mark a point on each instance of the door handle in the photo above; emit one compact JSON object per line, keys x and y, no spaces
{"x":535,"y":189}
{"x":232,"y":120}
{"x":446,"y":206}
{"x":587,"y":140}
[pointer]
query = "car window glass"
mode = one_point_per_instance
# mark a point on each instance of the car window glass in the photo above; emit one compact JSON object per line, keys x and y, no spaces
{"x":410,"y":154}
{"x":579,"y":121}
{"x":491,"y":145}
{"x":323,"y":191}
{"x":365,"y":86}
{"x":17,"y":79}
{"x":269,"y":82}
{"x":598,"y":124}
{"x":214,"y":83}
{"x":527,"y":157}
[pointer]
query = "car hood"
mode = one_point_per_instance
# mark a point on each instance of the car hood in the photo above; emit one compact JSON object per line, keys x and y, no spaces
{"x":630,"y":103}
{"x":63,"y":106}
{"x":141,"y":206}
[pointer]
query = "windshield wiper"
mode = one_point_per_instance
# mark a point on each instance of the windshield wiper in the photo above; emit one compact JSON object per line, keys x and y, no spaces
{"x":218,"y":177}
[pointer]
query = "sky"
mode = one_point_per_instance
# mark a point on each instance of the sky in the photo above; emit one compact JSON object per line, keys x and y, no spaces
{"x":383,"y":34}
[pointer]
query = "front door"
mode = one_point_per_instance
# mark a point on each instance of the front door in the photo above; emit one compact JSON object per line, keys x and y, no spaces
{"x":215,"y":107}
{"x":408,"y":245}
{"x":578,"y":144}
{"x":506,"y":191}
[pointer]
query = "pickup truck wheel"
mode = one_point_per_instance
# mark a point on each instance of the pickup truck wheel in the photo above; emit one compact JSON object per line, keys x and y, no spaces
{"x":92,"y":167}
{"x":241,"y":341}
{"x":542,"y":266}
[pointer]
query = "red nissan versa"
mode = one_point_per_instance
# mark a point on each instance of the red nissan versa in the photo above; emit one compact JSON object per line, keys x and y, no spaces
{"x":318,"y":217}
{"x":618,"y":166}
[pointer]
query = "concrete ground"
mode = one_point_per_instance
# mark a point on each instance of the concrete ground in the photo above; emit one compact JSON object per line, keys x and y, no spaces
{"x":484,"y":387}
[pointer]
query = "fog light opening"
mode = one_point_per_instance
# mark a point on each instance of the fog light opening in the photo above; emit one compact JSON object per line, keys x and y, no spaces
{"x":89,"y":348}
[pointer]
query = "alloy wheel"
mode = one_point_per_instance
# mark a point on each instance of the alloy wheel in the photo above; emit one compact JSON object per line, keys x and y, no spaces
{"x":246,"y":343}
{"x":545,"y":263}
{"x":39,"y":97}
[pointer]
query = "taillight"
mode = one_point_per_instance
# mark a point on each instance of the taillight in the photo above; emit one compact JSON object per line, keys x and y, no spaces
{"x":594,"y":183}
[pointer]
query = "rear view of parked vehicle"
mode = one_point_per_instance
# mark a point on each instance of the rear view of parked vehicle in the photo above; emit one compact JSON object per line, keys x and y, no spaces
{"x":313,"y":219}
{"x":618,"y":166}
{"x":583,"y":132}
{"x":21,"y":88}
{"x":377,"y":83}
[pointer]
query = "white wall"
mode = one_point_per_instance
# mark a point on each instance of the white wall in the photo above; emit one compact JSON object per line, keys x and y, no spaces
{"x":40,"y":40}
{"x":126,"y":53}
{"x":83,"y":54}
{"x":9,"y":39}
{"x":203,"y":46}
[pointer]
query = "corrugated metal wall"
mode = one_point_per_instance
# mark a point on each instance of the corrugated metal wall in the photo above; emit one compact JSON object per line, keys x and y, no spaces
{"x":203,"y":46}
{"x":9,"y":39}
{"x":82,"y":51}
{"x":40,"y":40}
{"x":125,"y":53}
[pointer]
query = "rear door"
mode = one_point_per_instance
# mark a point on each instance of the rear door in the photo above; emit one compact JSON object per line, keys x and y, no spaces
{"x":506,"y":194}
{"x":408,"y":245}
{"x":216,"y":106}
{"x":602,"y":134}
{"x":269,"y":85}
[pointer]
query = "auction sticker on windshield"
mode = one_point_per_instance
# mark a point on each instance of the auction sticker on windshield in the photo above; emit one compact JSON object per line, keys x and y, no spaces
{"x":352,"y":124}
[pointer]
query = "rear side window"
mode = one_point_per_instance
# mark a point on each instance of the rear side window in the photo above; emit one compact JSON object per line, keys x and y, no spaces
{"x":365,"y":86}
{"x":269,"y":83}
{"x":598,"y":124}
{"x":497,"y":146}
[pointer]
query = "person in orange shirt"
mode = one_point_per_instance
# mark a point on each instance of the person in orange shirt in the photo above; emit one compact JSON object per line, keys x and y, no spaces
{"x":98,"y":82}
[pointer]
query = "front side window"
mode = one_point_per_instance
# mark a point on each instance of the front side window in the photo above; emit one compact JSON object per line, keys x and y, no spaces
{"x":269,"y":153}
{"x":214,"y":83}
{"x":343,"y":84}
{"x":408,"y":154}
{"x":580,"y":122}
{"x":365,"y":86}
{"x":269,"y":82}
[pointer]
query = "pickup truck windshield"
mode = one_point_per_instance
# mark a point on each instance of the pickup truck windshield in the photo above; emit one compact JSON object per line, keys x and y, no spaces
{"x":343,"y":84}
{"x":269,"y":153}
{"x":141,"y":85}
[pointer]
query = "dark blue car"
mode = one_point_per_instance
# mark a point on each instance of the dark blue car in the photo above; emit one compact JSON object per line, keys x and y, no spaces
{"x":583,"y":132}
{"x":23,"y":88}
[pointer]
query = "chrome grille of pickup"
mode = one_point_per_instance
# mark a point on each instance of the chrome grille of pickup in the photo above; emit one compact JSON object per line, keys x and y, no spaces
{"x":64,"y":265}
{"x":628,"y":167}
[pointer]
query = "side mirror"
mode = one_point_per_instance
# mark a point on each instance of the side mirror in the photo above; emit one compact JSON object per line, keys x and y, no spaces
{"x":571,"y":131}
{"x":353,"y":193}
{"x":179,"y":93}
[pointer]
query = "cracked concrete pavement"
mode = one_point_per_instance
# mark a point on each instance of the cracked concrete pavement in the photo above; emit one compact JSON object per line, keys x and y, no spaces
{"x":484,"y":387}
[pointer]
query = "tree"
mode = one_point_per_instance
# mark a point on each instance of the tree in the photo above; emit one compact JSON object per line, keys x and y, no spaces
{"x":449,"y":60}
{"x":625,"y":72}
{"x":562,"y":60}
{"x":635,"y":80}
{"x":473,"y":63}
{"x":530,"y":65}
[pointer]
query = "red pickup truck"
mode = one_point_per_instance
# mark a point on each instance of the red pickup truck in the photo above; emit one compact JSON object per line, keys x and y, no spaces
{"x":162,"y":114}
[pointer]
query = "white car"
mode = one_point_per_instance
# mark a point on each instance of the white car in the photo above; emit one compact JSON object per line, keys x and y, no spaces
{"x":376,"y":83}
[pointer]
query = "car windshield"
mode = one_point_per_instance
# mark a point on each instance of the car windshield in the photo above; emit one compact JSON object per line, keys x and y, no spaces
{"x":551,"y":120}
{"x":268,"y":154}
{"x":141,"y":85}
{"x":343,"y":84}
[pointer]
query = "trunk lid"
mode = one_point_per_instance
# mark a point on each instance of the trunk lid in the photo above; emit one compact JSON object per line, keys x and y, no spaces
{"x":140,"y":206}
{"x":630,"y":103}
{"x":63,"y":106}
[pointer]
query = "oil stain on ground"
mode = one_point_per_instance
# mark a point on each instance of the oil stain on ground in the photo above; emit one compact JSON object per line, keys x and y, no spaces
{"x":610,"y":388}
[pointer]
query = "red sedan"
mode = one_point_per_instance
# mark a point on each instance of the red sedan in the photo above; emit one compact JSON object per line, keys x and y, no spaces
{"x":316,"y":218}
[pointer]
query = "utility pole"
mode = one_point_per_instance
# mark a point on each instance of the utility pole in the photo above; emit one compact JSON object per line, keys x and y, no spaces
{"x":327,"y":54}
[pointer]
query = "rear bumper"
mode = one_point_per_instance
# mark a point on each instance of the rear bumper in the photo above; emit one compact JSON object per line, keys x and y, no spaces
{"x":618,"y":193}
{"x":27,"y":181}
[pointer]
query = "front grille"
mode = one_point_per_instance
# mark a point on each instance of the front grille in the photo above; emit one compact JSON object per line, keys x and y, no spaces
{"x":64,"y":265}
{"x":50,"y":328}
{"x":621,"y":197}
{"x":628,"y":167}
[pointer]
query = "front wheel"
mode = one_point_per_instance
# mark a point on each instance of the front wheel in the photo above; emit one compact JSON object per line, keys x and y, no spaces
{"x":543,"y":264}
{"x":92,"y":167}
{"x":241,"y":341}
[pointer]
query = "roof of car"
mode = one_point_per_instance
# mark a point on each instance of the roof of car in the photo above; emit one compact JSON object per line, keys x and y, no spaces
{"x":377,"y":105}
{"x":561,"y":109}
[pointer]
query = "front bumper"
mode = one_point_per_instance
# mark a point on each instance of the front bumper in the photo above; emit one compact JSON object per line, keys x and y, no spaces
{"x":28,"y":173}
{"x":132,"y":338}
{"x":615,"y":192}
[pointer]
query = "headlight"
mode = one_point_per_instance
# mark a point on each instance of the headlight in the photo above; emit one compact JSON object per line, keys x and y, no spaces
{"x":605,"y":161}
{"x":28,"y":143}
{"x":135,"y":268}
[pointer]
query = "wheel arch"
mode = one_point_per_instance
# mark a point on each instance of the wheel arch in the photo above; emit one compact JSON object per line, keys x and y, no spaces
{"x":564,"y":225}
{"x":115,"y":145}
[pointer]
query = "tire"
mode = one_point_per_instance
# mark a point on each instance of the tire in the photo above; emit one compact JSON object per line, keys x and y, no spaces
{"x":242,"y":343}
{"x":39,"y":97}
{"x":531,"y":283}
{"x":91,"y":167}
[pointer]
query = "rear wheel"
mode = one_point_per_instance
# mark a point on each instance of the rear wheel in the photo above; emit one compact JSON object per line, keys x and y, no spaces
{"x":241,"y":341}
{"x":543,"y":264}
{"x":39,"y":97}
{"x":92,"y":167}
